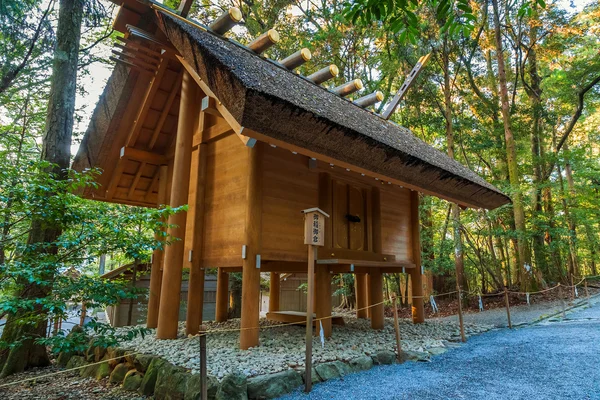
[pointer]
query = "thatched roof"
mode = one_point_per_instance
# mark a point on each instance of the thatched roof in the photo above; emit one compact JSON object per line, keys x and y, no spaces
{"x":266,"y":98}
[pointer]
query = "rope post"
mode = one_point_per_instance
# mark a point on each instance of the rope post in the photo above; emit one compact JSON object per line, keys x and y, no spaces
{"x":397,"y":328}
{"x":587,"y":293}
{"x":507,"y":307}
{"x":463,"y":338}
{"x":562,"y":300}
{"x":203,"y":383}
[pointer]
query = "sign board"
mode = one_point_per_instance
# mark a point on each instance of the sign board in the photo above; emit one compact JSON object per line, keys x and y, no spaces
{"x":314,"y":226}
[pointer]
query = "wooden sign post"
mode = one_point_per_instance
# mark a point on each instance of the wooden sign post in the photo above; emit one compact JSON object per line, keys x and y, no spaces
{"x":314,"y":236}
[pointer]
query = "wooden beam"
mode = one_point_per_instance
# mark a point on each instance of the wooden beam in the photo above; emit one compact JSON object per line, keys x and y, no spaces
{"x":132,"y":65}
{"x":252,"y":239}
{"x":157,"y":257}
{"x":237,"y":128}
{"x":165,"y":111}
{"x":405,"y":86}
{"x":217,"y":131}
{"x":131,"y":153}
{"x":168,"y":317}
{"x":146,"y":103}
{"x":115,"y":178}
{"x":136,"y":179}
{"x":274,"y":291}
{"x":184,"y":7}
{"x":222,"y":304}
{"x":197,"y":272}
{"x":416,"y":274}
{"x":342,"y":164}
{"x":376,"y":297}
{"x":360,"y":284}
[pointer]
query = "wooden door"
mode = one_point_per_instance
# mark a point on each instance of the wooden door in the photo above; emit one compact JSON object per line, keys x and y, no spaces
{"x":349,"y":217}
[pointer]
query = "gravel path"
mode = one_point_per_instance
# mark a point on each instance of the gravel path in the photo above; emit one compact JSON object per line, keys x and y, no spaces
{"x":554,"y":359}
{"x":519,"y":315}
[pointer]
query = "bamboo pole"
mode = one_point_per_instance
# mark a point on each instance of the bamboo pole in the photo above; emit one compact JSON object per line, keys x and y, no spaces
{"x":507,"y":307}
{"x":562,"y":300}
{"x":309,"y":316}
{"x":203,"y":380}
{"x":397,"y":329}
{"x":587,"y":292}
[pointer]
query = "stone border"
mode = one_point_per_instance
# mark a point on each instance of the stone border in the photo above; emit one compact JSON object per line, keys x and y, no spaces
{"x":151,"y":375}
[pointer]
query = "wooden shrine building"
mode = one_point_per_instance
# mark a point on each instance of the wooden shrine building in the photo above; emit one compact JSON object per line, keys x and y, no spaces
{"x":192,"y":117}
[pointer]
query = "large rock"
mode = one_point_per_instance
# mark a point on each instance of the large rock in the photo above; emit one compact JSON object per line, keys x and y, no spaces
{"x":114,"y":356}
{"x":233,"y":387}
{"x":102,"y":371}
{"x":415,"y":356}
{"x":332,"y":370}
{"x":142,"y":362}
{"x":273,"y":385}
{"x":362,"y":363}
{"x":133,"y":380}
{"x":384,"y":357}
{"x":194,"y":387}
{"x":75,"y":361}
{"x":171,"y":383}
{"x":118,"y":374}
{"x":149,"y":381}
{"x":314,"y":377}
{"x":64,"y":358}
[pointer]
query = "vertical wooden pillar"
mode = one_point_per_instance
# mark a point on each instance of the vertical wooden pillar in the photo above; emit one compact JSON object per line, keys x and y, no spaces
{"x":168,"y":315}
{"x":416,"y":276}
{"x":376,"y":220}
{"x":251,"y":264}
{"x":157,"y":257}
{"x":196,"y":198}
{"x":222,"y":305}
{"x":274,"y":291}
{"x":323,"y":298}
{"x":376,"y":296}
{"x":360,"y":284}
{"x":368,"y":292}
{"x":325,"y":204}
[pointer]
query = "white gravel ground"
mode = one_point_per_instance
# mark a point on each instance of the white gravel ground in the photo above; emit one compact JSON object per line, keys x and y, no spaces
{"x":282,"y":347}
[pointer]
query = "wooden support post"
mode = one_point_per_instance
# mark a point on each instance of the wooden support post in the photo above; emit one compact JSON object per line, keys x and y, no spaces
{"x":397,"y":329}
{"x":222,"y":304}
{"x":587,"y":292}
{"x":309,"y":317}
{"x":416,"y":274}
{"x":461,"y":321}
{"x":168,"y":316}
{"x":274,"y":291}
{"x":323,"y":301}
{"x":507,"y":307}
{"x":376,"y":298}
{"x":562,"y":300}
{"x":360,"y":284}
{"x":196,"y":200}
{"x":203,"y":380}
{"x":157,"y":257}
{"x":249,"y":337}
{"x":368,"y":293}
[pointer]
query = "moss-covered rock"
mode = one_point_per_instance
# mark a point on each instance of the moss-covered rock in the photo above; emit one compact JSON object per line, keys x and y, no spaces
{"x":362,"y":363}
{"x":314,"y":377}
{"x":149,"y":381}
{"x":332,"y":370}
{"x":415,"y":356}
{"x":102,"y":371}
{"x":118,"y":374}
{"x":194,"y":387}
{"x":114,"y":356}
{"x":64,"y":357}
{"x":89,"y":371}
{"x":75,"y":361}
{"x":384,"y":357}
{"x":132,"y":380}
{"x":273,"y":385}
{"x":142,"y":362}
{"x":233,"y":387}
{"x":171,"y":382}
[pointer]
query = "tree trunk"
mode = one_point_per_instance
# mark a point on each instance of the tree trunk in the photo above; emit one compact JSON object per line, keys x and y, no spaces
{"x":56,"y":149}
{"x":511,"y":157}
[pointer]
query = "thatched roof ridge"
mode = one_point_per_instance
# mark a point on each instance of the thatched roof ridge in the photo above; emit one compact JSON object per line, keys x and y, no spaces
{"x":266,"y":98}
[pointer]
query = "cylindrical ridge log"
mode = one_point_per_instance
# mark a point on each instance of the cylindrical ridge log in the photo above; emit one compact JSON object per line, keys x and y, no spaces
{"x":226,"y":21}
{"x":296,"y":59}
{"x":369,"y":99}
{"x":324,"y":74}
{"x":264,"y":41}
{"x":348,"y":88}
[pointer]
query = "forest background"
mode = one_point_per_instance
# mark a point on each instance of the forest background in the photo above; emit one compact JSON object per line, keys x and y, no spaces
{"x":511,"y":91}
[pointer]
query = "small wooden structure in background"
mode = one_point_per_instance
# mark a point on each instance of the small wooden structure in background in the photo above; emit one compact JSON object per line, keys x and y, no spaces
{"x":191,"y":117}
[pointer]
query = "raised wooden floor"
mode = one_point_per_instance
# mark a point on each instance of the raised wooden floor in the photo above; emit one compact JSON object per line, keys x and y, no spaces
{"x":298,"y":317}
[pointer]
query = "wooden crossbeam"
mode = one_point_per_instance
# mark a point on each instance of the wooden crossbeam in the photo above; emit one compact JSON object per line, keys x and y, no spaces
{"x":135,"y":60}
{"x":138,"y":155}
{"x":144,"y":35}
{"x":405,"y":86}
{"x":131,"y":65}
{"x":165,"y":111}
{"x":139,"y":47}
{"x":153,"y":183}
{"x":151,"y":59}
{"x":237,"y":128}
{"x":136,"y":180}
{"x":184,"y":7}
{"x":143,"y":112}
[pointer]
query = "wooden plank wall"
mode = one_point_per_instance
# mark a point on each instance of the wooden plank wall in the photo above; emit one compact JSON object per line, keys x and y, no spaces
{"x":395,"y":222}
